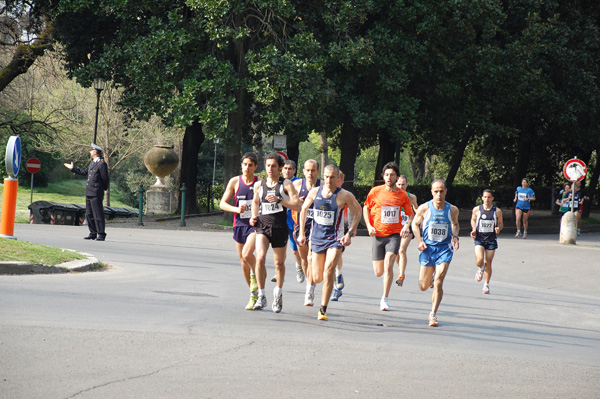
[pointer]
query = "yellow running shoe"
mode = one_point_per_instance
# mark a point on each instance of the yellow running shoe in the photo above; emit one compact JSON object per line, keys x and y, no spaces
{"x":322,"y":316}
{"x":251,"y":302}
{"x":253,"y":283}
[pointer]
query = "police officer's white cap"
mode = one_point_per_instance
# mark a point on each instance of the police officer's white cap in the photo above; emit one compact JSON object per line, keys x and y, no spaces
{"x":97,"y":147}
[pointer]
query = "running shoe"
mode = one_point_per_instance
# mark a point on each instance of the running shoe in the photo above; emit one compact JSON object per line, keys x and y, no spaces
{"x":274,"y":279}
{"x":299,"y":274}
{"x":524,"y":235}
{"x":479,"y":274}
{"x":251,"y":302}
{"x":261,"y":302}
{"x":518,"y":233}
{"x":578,"y":232}
{"x":309,"y":298}
{"x":339,"y":282}
{"x":486,"y":289}
{"x":336,"y":294}
{"x":277,"y":302}
{"x":383,"y":304}
{"x":433,"y":321}
{"x":400,"y":281}
{"x":253,"y":283}
{"x":322,"y":315}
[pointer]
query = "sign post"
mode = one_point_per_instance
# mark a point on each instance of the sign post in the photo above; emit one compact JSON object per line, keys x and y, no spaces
{"x":574,"y":170}
{"x":33,"y":165}
{"x":11,"y":183}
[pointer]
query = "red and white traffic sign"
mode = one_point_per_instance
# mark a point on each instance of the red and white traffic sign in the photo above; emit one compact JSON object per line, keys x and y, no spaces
{"x":575,"y":170}
{"x":33,"y":165}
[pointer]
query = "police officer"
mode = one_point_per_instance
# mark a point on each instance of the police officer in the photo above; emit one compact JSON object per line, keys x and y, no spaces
{"x":97,"y":183}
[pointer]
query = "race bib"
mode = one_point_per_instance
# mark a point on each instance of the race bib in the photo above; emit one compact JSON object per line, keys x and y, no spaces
{"x":575,"y":204}
{"x":390,"y":214}
{"x":247,"y":214}
{"x":324,"y":218}
{"x":522,"y":196}
{"x":438,"y":232}
{"x":309,"y":213}
{"x":268,"y":208}
{"x":486,"y":226}
{"x":404,"y":217}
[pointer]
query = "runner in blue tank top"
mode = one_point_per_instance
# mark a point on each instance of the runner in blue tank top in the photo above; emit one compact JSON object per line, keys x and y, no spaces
{"x":327,"y":234}
{"x":241,"y":189}
{"x":523,"y":197}
{"x":311,"y":173}
{"x":273,"y":196}
{"x":439,"y":240}
{"x":486,"y":223}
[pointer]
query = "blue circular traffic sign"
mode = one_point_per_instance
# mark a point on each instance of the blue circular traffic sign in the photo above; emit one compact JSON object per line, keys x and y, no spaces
{"x":13,"y":156}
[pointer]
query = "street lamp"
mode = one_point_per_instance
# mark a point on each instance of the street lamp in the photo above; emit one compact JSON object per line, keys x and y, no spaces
{"x":99,"y":85}
{"x":215,"y":161}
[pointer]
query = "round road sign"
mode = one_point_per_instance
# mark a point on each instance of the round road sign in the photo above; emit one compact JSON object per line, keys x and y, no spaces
{"x":575,"y":170}
{"x":33,"y":165}
{"x":13,"y":156}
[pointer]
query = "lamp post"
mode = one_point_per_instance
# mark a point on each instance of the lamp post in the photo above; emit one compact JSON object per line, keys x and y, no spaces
{"x":215,"y":161}
{"x":99,"y":85}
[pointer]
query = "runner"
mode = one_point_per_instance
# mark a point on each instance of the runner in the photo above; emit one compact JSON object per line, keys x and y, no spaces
{"x":382,"y":218}
{"x":274,"y":195}
{"x":327,"y":234}
{"x":486,"y":223}
{"x":241,"y":189}
{"x":339,"y":278}
{"x":523,"y":197}
{"x":578,"y":196}
{"x":564,"y":201}
{"x":439,"y":241}
{"x":303,"y":186}
{"x":289,"y":172}
{"x":402,"y":261}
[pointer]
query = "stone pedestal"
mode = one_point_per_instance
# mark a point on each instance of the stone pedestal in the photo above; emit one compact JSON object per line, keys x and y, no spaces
{"x":568,"y":228}
{"x":160,"y":200}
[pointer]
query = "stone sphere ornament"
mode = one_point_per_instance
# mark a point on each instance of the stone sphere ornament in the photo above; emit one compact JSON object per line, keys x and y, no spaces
{"x":161,"y":160}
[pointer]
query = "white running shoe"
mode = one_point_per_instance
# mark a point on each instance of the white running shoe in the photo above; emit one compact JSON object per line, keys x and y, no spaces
{"x":479,"y":274}
{"x":383,"y":304}
{"x":309,"y":298}
{"x":486,"y":289}
{"x":261,"y":302}
{"x":339,"y":282}
{"x":277,"y":302}
{"x":433,"y":321}
{"x":299,"y":275}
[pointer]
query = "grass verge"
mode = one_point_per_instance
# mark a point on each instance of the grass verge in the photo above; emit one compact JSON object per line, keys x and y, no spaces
{"x":34,"y":253}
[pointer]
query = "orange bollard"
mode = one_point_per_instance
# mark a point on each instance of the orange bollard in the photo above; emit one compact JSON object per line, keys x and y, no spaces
{"x":9,"y":207}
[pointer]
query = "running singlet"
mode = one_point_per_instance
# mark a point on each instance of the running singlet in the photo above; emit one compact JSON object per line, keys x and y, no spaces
{"x":385,"y":208}
{"x":303,"y":193}
{"x":576,"y":199}
{"x":272,"y":213}
{"x":522,"y":195}
{"x":486,"y":224}
{"x":437,"y":225}
{"x":328,"y":218}
{"x":244,"y":195}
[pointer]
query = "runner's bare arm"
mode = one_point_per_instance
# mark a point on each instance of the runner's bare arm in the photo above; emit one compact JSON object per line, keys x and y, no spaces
{"x":294,"y":202}
{"x":229,"y":192}
{"x":416,"y":225}
{"x":308,"y":201}
{"x":366,"y":215}
{"x":455,"y":227}
{"x":500,"y":225}
{"x":474,"y":221}
{"x":255,"y":203}
{"x":354,"y":207}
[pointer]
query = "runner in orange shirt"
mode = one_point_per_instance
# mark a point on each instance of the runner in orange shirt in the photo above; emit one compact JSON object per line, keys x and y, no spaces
{"x":382,"y":218}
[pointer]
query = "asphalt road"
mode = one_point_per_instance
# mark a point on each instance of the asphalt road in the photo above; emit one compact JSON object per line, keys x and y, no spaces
{"x":167,"y":320}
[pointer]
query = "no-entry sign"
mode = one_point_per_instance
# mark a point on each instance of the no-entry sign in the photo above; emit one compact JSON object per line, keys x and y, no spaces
{"x":33,"y":165}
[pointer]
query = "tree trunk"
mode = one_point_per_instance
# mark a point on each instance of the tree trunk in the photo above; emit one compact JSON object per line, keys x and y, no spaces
{"x":592,"y":187}
{"x":457,"y":158}
{"x":523,"y":153}
{"x":417,"y":164}
{"x":293,"y":152}
{"x":324,"y":151}
{"x":188,"y":174}
{"x":349,"y":152}
{"x":24,"y":57}
{"x":387,"y":152}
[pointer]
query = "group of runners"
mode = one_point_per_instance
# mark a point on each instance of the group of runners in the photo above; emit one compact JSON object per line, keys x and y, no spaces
{"x":323,"y":218}
{"x":572,"y":197}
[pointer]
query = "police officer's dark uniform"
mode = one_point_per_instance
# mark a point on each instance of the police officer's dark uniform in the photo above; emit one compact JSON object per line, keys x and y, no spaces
{"x":97,"y":183}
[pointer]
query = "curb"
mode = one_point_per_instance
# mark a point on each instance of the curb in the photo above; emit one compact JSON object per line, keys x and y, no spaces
{"x":79,"y":265}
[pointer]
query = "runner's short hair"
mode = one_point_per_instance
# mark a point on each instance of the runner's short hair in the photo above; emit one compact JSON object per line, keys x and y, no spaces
{"x":439,"y":180}
{"x":280,"y":160}
{"x":290,"y":162}
{"x":333,"y":167}
{"x":390,"y":165}
{"x":487,"y":190}
{"x":251,"y":156}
